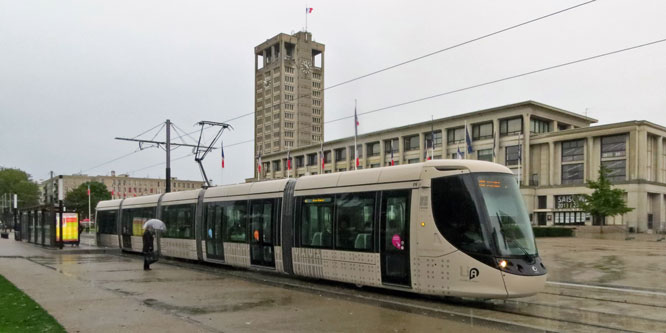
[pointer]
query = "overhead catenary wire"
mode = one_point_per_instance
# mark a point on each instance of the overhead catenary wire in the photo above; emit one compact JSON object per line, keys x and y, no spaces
{"x":448,"y":48}
{"x":401,"y":63}
{"x":502,"y":79}
{"x":487,"y":83}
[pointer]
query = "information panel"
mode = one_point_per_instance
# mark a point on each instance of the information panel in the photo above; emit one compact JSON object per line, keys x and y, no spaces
{"x":70,"y":230}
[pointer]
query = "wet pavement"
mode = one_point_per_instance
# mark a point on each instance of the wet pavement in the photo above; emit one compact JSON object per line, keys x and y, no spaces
{"x":594,"y":286}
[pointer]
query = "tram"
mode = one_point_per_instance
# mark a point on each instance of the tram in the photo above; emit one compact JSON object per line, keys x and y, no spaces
{"x":442,"y":227}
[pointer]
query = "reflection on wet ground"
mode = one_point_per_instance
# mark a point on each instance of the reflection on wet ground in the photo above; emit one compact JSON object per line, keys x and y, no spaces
{"x":594,"y":286}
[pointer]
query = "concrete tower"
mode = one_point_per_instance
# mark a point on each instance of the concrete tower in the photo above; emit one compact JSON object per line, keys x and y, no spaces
{"x":289,"y":96}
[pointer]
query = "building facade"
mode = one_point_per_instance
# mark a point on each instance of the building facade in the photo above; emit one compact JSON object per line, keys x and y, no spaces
{"x":289,"y":94}
{"x":120,"y":186}
{"x":552,"y":152}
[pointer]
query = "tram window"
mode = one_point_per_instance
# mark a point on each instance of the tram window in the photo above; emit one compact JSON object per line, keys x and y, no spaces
{"x":355,"y":216}
{"x":179,"y":221}
{"x":262,"y":214}
{"x":106,"y":222}
{"x":317,"y":222}
{"x":133,"y":220}
{"x":214,"y":230}
{"x":456,"y":215}
{"x":235,"y":222}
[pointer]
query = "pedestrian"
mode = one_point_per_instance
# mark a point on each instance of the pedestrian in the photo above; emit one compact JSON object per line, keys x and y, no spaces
{"x":148,"y":253}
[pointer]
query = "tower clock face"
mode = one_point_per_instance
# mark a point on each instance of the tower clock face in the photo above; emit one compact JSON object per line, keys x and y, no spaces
{"x":306,"y":67}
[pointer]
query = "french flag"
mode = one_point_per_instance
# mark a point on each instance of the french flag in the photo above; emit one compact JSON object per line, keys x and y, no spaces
{"x":308,"y":10}
{"x":222,"y":148}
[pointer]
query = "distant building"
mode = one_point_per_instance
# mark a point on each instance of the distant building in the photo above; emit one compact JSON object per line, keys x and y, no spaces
{"x":121,"y":186}
{"x":289,"y":94}
{"x":551,"y":151}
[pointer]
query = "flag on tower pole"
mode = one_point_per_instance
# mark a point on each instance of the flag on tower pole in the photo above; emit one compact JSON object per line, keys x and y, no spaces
{"x":288,"y":163}
{"x":323,"y":158}
{"x":259,"y":165}
{"x":222,"y":152}
{"x":468,"y":141}
{"x":355,"y":137}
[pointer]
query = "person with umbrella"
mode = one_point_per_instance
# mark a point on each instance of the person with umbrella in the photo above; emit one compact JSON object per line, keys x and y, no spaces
{"x":147,"y":248}
{"x":150,"y":227}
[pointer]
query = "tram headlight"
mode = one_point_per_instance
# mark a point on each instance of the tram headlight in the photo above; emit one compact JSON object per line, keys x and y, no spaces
{"x":502,"y":263}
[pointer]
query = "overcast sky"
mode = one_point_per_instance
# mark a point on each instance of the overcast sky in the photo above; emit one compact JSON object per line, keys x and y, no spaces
{"x":76,"y":74}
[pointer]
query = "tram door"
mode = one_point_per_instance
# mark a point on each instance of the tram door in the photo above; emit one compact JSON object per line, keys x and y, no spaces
{"x":262,"y":235}
{"x":126,"y":230}
{"x":394,"y":235}
{"x":214,"y":230}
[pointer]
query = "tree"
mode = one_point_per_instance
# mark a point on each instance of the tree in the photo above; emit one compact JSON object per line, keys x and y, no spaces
{"x":605,"y":200}
{"x":15,"y":181}
{"x":77,"y":199}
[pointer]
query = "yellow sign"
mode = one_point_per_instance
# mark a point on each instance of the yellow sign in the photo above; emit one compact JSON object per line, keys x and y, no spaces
{"x":70,"y":229}
{"x":137,"y":226}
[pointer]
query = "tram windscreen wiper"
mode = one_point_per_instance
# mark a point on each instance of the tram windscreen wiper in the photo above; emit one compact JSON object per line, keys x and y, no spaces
{"x":513,"y":241}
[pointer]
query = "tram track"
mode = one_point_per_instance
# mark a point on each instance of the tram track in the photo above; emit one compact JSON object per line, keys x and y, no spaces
{"x":527,"y":314}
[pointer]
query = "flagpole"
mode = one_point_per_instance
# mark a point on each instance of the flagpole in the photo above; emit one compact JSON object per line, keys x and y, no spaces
{"x":432,"y":136}
{"x":306,"y":17}
{"x":89,"y":210}
{"x":355,"y":135}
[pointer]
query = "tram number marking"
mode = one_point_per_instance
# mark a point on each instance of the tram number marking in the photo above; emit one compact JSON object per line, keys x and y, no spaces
{"x":473,"y":273}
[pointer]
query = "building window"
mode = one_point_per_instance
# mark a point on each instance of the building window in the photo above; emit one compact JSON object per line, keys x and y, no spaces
{"x":374,"y":165}
{"x":327,"y":156}
{"x":413,"y":160}
{"x":276,"y":165}
{"x":573,"y":150}
{"x":299,"y":161}
{"x":485,"y":155}
{"x":613,"y":146}
{"x":617,"y":170}
{"x":373,"y":149}
{"x":312,"y":159}
{"x":412,"y":143}
{"x":542,"y":199}
{"x":539,"y":126}
{"x":455,"y":135}
{"x":512,"y":155}
{"x":512,"y":126}
{"x":428,"y":139}
{"x":392,"y":144}
{"x":573,"y":173}
{"x":340,"y":154}
{"x":482,"y":131}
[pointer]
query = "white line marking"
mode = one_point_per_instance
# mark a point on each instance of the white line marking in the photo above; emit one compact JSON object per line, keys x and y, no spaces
{"x":627,"y":290}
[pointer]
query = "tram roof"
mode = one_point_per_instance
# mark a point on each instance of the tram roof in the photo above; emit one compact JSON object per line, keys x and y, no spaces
{"x":141,"y":201}
{"x":399,"y":173}
{"x":181,"y":195}
{"x":270,"y":186}
{"x":108,"y":204}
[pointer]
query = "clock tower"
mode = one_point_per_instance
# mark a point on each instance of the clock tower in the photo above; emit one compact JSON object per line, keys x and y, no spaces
{"x":289,"y":93}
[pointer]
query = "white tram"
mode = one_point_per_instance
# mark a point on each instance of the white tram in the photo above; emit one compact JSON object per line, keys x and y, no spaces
{"x":443,"y":227}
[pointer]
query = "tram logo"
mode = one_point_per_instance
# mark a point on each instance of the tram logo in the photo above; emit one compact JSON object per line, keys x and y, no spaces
{"x":473,"y":273}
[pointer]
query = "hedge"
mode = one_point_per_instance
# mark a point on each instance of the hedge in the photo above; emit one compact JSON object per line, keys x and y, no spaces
{"x":553,"y":232}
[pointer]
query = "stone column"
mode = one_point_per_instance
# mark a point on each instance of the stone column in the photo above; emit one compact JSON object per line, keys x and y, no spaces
{"x":382,"y":153}
{"x":333,"y":161}
{"x":347,"y":158}
{"x":590,"y":166}
{"x":496,"y":133}
{"x":662,"y":212}
{"x":551,"y":162}
{"x":660,"y":159}
{"x":641,"y":164}
{"x":526,"y":149}
{"x":421,"y":145}
{"x":555,"y":126}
